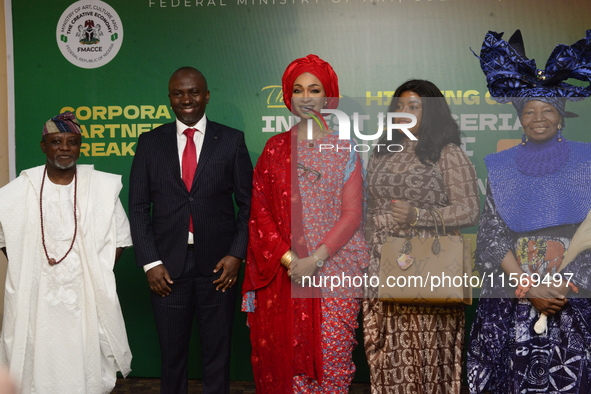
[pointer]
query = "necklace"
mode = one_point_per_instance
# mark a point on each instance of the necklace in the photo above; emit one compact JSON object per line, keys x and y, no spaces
{"x":314,"y":136}
{"x":52,"y":261}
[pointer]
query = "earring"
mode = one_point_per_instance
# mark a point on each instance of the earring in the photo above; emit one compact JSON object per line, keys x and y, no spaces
{"x":523,"y":139}
{"x":559,"y":134}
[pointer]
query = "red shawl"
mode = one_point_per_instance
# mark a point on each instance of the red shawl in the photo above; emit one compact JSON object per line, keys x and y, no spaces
{"x":285,"y":331}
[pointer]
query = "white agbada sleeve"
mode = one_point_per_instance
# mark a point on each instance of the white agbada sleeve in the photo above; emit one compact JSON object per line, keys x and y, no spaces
{"x":2,"y":240}
{"x":123,"y":231}
{"x":102,"y":227}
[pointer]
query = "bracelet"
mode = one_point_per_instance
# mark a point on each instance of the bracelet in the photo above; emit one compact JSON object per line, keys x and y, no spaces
{"x":417,"y":213}
{"x":522,"y":290}
{"x":287,"y":258}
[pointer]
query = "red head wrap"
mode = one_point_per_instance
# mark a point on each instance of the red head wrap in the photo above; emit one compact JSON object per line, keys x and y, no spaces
{"x":320,"y":69}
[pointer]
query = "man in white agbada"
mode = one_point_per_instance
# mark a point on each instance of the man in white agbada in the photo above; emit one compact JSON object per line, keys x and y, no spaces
{"x":62,"y":228}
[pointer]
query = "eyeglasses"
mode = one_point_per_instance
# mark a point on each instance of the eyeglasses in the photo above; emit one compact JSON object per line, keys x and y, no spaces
{"x":310,"y":174}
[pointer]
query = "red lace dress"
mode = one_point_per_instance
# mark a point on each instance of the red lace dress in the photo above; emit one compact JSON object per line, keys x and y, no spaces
{"x":304,"y":344}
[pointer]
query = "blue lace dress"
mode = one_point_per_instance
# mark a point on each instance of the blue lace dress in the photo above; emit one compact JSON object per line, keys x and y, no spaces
{"x":505,"y":355}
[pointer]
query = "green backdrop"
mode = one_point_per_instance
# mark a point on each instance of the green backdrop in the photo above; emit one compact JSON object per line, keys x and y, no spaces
{"x":243,"y":47}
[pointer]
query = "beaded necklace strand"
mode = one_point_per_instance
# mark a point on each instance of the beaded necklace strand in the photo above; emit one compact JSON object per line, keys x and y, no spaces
{"x":52,"y":260}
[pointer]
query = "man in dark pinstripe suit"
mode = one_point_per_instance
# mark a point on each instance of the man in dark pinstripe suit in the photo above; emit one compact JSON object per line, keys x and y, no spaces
{"x":191,"y":273}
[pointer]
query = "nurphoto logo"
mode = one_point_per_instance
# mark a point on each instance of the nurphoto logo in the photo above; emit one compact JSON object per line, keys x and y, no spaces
{"x":344,"y":126}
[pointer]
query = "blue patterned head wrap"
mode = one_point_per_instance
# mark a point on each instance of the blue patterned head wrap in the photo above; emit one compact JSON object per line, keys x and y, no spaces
{"x":512,"y":77}
{"x":63,"y":123}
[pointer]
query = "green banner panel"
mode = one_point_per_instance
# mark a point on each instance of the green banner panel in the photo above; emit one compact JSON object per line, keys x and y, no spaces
{"x":109,"y":62}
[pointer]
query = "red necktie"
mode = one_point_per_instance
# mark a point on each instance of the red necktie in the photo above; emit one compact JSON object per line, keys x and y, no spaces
{"x":189,"y":164}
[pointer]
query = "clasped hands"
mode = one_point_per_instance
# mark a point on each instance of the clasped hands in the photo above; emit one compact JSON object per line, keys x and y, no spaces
{"x":159,"y":279}
{"x":302,"y":267}
{"x":548,"y":299}
{"x":307,"y":266}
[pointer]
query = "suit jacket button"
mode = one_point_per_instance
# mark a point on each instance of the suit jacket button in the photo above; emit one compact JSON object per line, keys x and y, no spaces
{"x":190,"y":198}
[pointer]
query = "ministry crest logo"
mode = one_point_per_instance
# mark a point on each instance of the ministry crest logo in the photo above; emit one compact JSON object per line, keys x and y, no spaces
{"x":89,"y":33}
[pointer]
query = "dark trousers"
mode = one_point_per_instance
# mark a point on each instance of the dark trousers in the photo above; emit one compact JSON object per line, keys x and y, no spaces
{"x":194,"y":295}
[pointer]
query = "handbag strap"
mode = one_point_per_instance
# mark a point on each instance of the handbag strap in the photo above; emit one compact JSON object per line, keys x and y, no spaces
{"x":440,"y":218}
{"x":435,"y":221}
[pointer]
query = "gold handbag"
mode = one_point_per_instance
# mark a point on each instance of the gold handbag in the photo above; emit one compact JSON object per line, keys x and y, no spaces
{"x":426,"y":270}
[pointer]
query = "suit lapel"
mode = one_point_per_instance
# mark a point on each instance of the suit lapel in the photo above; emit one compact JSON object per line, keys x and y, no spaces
{"x":209,"y":143}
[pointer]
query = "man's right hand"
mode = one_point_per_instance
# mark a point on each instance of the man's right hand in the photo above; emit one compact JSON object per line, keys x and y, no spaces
{"x":158,"y":279}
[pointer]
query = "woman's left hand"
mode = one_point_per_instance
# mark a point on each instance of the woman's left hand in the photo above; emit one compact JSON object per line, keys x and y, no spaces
{"x":547,"y":300}
{"x":403,"y":212}
{"x":302,"y":267}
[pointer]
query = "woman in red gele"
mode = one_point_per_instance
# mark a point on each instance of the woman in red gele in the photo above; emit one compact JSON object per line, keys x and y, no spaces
{"x":305,"y":227}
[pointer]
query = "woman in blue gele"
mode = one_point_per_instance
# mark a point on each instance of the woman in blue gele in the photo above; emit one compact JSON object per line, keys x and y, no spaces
{"x":537,"y":196}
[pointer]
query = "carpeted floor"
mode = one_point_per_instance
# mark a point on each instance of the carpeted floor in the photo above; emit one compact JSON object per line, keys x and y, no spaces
{"x":152,"y":386}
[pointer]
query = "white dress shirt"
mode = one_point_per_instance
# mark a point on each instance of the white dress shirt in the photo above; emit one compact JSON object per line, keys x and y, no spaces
{"x":181,"y":140}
